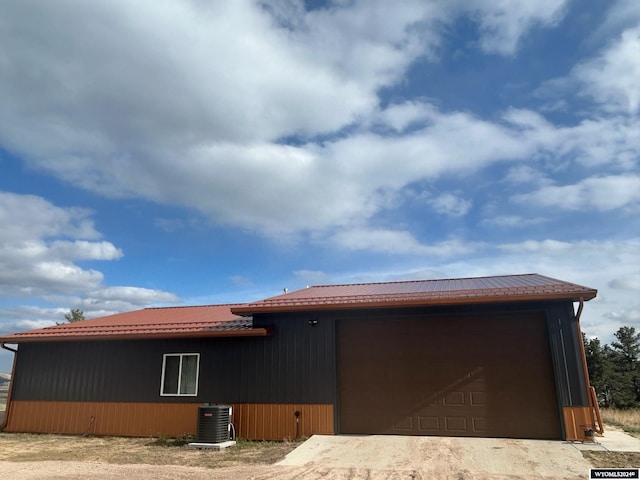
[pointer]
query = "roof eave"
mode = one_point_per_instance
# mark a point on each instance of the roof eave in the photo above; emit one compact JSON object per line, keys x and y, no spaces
{"x":253,"y":332}
{"x":529,"y":297}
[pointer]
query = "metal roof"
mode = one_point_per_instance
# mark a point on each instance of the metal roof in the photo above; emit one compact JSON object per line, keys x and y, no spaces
{"x":506,"y":288}
{"x":168,"y":322}
{"x":234,"y":320}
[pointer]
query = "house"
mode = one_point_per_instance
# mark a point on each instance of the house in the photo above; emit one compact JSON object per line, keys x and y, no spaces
{"x":492,"y":357}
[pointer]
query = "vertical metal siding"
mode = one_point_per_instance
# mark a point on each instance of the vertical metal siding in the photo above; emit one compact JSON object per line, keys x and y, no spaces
{"x":566,"y":355}
{"x":128,"y":419}
{"x":574,"y":420}
{"x":298,"y":361}
{"x":295,"y":365}
{"x":277,"y":421}
{"x":252,"y":421}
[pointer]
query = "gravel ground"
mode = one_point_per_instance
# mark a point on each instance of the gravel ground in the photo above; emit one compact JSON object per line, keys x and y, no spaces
{"x":81,"y":470}
{"x":33,"y":456}
{"x":25,"y":456}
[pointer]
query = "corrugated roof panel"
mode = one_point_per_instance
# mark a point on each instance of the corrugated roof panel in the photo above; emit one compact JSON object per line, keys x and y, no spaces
{"x":207,"y":320}
{"x":423,"y":292}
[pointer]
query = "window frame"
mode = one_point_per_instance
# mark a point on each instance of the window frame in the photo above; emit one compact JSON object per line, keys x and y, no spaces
{"x":180,"y":356}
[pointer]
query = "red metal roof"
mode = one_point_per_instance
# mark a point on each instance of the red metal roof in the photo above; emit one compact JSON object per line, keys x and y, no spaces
{"x":168,"y":322}
{"x":507,"y":288}
{"x":232,"y":320}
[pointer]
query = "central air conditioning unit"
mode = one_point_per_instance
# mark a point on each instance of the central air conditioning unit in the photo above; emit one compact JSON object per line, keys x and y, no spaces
{"x":214,"y":424}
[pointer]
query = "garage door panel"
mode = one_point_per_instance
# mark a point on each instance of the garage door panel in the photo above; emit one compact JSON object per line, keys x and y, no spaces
{"x":447,"y":376}
{"x":429,"y":424}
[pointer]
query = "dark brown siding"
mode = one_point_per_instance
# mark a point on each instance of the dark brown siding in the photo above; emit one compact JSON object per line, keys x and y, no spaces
{"x":480,"y":375}
{"x":566,"y":354}
{"x":295,"y":365}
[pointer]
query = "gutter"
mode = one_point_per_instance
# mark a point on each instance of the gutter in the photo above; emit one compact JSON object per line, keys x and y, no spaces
{"x":7,"y":410}
{"x":594,"y":408}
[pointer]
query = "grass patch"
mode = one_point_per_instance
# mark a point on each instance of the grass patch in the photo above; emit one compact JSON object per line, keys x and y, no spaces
{"x":25,"y":447}
{"x":628,"y":420}
{"x":612,"y":459}
{"x":165,"y":441}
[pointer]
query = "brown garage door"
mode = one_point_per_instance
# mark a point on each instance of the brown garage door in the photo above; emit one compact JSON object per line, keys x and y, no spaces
{"x":487,"y":375}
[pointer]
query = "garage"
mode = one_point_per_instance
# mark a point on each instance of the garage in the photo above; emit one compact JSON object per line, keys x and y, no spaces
{"x":496,"y":356}
{"x":485,"y":375}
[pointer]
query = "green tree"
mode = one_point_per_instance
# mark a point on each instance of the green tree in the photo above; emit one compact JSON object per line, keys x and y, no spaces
{"x":597,"y":364}
{"x":75,"y":315}
{"x":624,"y":357}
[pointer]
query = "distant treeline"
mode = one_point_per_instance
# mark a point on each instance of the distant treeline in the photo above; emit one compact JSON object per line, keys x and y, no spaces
{"x":614,"y":370}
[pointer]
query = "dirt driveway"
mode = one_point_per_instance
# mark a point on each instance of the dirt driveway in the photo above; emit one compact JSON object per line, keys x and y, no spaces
{"x":29,"y":457}
{"x":442,"y":457}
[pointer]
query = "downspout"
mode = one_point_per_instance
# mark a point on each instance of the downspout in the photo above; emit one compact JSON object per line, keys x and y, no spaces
{"x":9,"y":393}
{"x":594,"y":408}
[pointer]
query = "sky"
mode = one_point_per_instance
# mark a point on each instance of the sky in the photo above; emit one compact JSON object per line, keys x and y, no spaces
{"x":194,"y":152}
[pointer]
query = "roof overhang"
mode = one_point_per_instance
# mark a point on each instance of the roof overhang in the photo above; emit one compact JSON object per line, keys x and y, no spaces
{"x":27,"y":338}
{"x":463,"y":297}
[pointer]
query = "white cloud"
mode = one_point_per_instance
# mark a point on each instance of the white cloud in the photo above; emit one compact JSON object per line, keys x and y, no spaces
{"x":621,"y":15}
{"x":32,"y":324}
{"x":39,"y":249}
{"x":450,"y":204}
{"x":400,"y":116}
{"x":504,"y":22}
{"x":511,"y":221}
{"x":185,"y":103}
{"x":601,"y":141}
{"x":400,"y":242}
{"x":84,"y":250}
{"x":627,"y":282}
{"x":184,"y":73}
{"x":352,"y":178}
{"x":132,"y":295}
{"x":546,"y":247}
{"x":33,"y":256}
{"x":523,"y":174}
{"x":611,"y":78}
{"x":98,"y":303}
{"x":341,"y":180}
{"x":27,"y":216}
{"x":600,"y":193}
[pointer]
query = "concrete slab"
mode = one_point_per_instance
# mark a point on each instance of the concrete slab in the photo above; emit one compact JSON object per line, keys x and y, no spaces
{"x":442,"y":457}
{"x":614,"y":440}
{"x":212,"y":446}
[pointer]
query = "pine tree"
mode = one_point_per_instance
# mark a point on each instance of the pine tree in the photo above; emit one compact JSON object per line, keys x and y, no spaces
{"x":75,"y":315}
{"x":614,"y":370}
{"x":624,"y":357}
{"x":597,"y":364}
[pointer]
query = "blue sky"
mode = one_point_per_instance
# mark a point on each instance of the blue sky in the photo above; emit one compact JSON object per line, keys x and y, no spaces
{"x":196,"y":152}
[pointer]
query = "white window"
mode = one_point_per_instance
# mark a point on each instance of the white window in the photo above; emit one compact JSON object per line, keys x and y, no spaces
{"x":180,"y":374}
